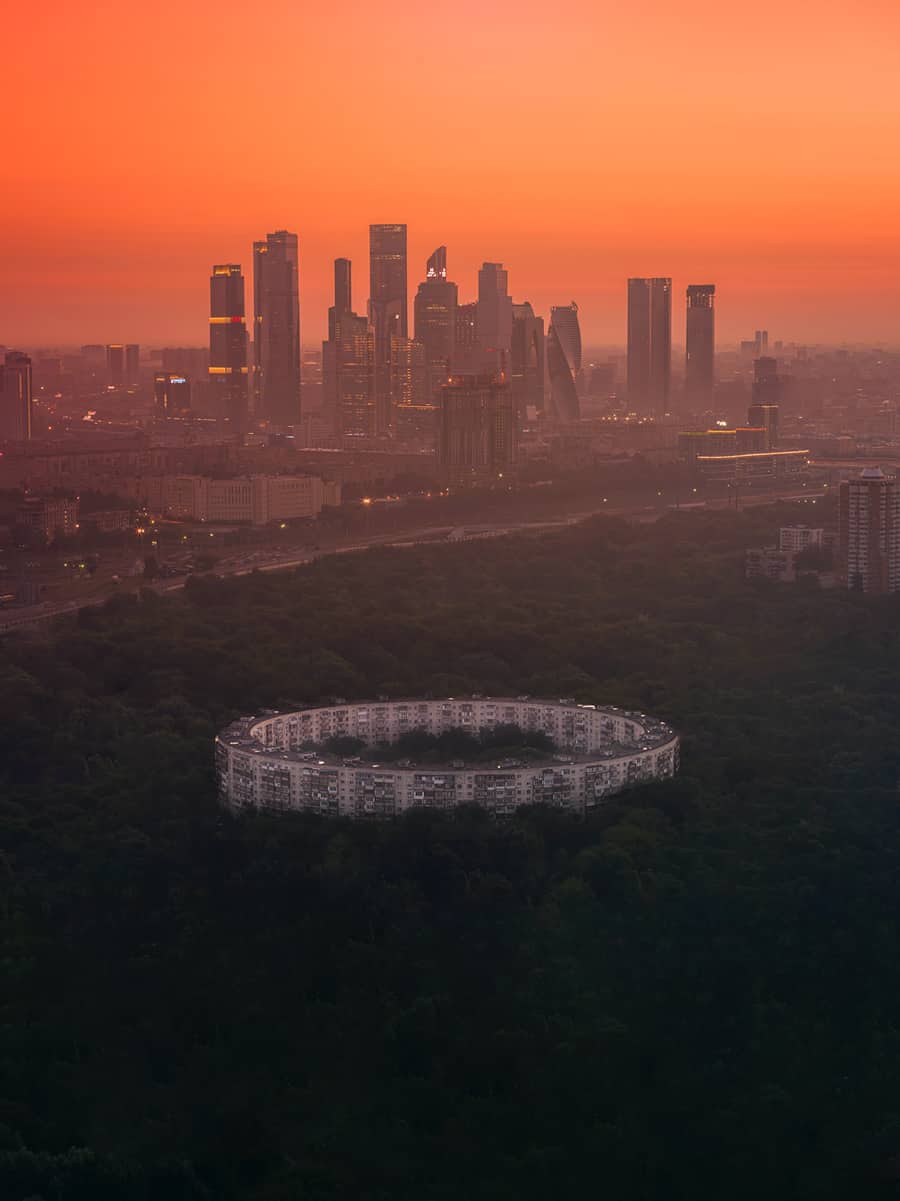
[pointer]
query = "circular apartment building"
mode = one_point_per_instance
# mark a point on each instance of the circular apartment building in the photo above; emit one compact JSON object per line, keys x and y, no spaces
{"x":265,"y":762}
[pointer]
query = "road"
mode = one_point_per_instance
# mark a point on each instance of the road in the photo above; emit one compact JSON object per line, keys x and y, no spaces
{"x":11,"y":620}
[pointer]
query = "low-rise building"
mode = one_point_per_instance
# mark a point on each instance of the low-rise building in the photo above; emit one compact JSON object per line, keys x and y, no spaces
{"x":256,"y":499}
{"x":49,"y":515}
{"x":769,"y":563}
{"x":800,"y":537}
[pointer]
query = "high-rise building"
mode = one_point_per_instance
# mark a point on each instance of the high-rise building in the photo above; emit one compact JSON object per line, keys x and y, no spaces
{"x":699,"y":369}
{"x":276,"y":329}
{"x":348,"y":362}
{"x":869,"y":532}
{"x":564,"y":361}
{"x":115,"y":365}
{"x":354,"y":376}
{"x":494,"y":317}
{"x":649,"y":344}
{"x":228,"y":345}
{"x":387,"y":309}
{"x":413,"y":404}
{"x":477,"y":431}
{"x":435,"y":321}
{"x":15,"y":397}
{"x":132,"y":363}
{"x":766,"y":381}
{"x":465,"y":339}
{"x":172,"y":393}
{"x":526,"y":360}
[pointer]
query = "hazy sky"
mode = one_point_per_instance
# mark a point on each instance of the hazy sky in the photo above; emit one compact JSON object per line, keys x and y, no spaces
{"x":750,"y":145}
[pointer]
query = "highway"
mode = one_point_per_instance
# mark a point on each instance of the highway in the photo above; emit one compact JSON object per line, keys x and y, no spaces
{"x":11,"y":620}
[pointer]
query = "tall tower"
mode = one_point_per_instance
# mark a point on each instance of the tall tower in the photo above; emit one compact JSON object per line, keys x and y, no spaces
{"x":564,"y":360}
{"x":387,"y":308}
{"x":650,"y":344}
{"x":115,"y":364}
{"x":435,"y":321}
{"x":494,"y":317}
{"x":276,"y":329}
{"x":132,"y":363}
{"x":526,"y":360}
{"x":15,"y":397}
{"x":228,"y":344}
{"x":869,"y":532}
{"x":699,"y":369}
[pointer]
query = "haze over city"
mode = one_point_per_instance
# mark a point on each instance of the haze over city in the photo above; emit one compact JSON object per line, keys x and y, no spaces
{"x":578,"y":145}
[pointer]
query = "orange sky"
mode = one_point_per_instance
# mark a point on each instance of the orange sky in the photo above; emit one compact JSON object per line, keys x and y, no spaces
{"x":750,"y":145}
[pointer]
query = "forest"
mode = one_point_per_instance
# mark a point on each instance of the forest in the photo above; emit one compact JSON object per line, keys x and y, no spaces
{"x":693,"y":994}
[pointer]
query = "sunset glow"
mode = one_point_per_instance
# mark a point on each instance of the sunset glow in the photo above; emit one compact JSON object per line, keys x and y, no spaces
{"x":755,"y":146}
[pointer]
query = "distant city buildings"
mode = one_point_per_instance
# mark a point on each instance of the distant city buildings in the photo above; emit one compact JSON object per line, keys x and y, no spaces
{"x":256,"y":499}
{"x":869,"y":532}
{"x":276,"y":329}
{"x":700,"y":341}
{"x":649,"y":344}
{"x":477,"y":431}
{"x":348,"y":362}
{"x":228,"y":345}
{"x":564,"y":361}
{"x":15,"y":397}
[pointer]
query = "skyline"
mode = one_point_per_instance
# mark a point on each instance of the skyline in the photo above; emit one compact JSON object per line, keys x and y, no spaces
{"x":754,"y":154}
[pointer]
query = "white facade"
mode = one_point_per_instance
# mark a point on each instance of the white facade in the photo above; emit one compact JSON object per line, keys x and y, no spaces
{"x":260,"y":763}
{"x":799,"y":537}
{"x":255,"y":498}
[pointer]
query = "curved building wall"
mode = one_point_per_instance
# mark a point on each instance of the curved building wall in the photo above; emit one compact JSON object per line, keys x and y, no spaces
{"x":260,"y":762}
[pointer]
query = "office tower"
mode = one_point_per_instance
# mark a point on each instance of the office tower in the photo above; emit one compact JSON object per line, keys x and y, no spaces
{"x":115,"y":365}
{"x":477,"y":431}
{"x":649,"y":344}
{"x":765,"y":416}
{"x":15,"y":397}
{"x":526,"y":361}
{"x":766,"y":382}
{"x":276,"y":329}
{"x":761,"y":341}
{"x":699,"y":376}
{"x":869,"y":532}
{"x":132,"y":363}
{"x":564,"y":361}
{"x":343,"y":292}
{"x":494,"y":317}
{"x":387,"y":308}
{"x":172,"y":393}
{"x":348,"y":362}
{"x":414,"y":407}
{"x":228,"y":345}
{"x":435,"y":321}
{"x":465,"y":339}
{"x":354,"y":377}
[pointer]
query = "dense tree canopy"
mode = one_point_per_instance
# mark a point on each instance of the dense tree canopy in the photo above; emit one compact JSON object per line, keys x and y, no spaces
{"x":691,"y":995}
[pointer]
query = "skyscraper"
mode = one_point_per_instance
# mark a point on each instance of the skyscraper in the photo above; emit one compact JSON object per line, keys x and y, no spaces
{"x":115,"y":365}
{"x":414,"y":406}
{"x":228,"y":344}
{"x":766,"y":381}
{"x":477,"y":431}
{"x":494,"y":317}
{"x":172,"y":393}
{"x":699,"y":369}
{"x":649,"y":344}
{"x":435,"y":320}
{"x":348,"y":362}
{"x":387,"y":308}
{"x":564,"y":361}
{"x":869,"y":532}
{"x":465,"y":339}
{"x":15,"y":397}
{"x":526,"y":360}
{"x":276,"y":329}
{"x":132,"y":363}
